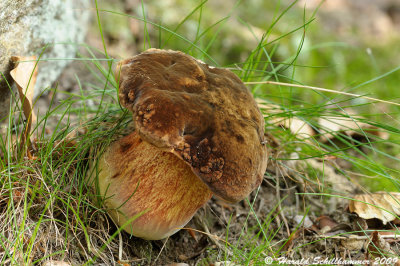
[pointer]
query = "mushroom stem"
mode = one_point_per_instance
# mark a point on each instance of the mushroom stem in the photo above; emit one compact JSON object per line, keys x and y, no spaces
{"x":135,"y":176}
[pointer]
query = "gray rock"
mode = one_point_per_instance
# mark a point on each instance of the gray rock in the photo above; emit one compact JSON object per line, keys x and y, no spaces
{"x":29,"y":26}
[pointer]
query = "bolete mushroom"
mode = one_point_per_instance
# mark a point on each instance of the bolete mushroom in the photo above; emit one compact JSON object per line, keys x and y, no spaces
{"x":198,"y":132}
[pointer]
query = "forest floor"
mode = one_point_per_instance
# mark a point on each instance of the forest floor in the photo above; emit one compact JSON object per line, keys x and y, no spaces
{"x":302,"y":210}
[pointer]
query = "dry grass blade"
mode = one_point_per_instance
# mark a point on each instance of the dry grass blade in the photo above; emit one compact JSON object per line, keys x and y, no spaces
{"x":320,"y":89}
{"x":24,"y":75}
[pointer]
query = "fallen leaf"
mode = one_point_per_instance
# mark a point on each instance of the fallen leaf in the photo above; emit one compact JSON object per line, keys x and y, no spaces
{"x":304,"y":220}
{"x":351,"y":243}
{"x":396,"y":221}
{"x":289,"y":244}
{"x":331,"y":176}
{"x":297,"y":126}
{"x":325,"y":170}
{"x":360,"y":224}
{"x":183,"y":257}
{"x":378,"y":245}
{"x":384,"y":206}
{"x":327,"y":225}
{"x":24,"y":75}
{"x":348,"y":124}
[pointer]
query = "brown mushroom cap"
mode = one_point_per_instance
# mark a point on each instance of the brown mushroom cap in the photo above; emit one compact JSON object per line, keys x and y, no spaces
{"x":204,"y":115}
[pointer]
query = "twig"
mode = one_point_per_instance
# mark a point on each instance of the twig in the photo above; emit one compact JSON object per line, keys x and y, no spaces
{"x":162,"y":248}
{"x":120,"y":246}
{"x":397,"y":236}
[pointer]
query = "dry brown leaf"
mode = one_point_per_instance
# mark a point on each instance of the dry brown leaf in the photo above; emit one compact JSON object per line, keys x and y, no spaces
{"x":24,"y":75}
{"x":347,"y":125}
{"x":289,"y":244}
{"x":325,"y":223}
{"x":294,"y":124}
{"x":352,"y":243}
{"x":378,"y":245}
{"x":388,"y":206}
{"x":328,"y":173}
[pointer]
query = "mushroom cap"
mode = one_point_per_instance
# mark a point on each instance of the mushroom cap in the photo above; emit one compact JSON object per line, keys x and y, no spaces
{"x":204,"y":115}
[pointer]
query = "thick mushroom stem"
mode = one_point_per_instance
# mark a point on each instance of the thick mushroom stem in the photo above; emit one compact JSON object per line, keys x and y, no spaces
{"x":135,"y":176}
